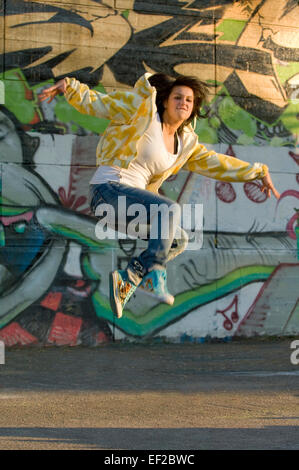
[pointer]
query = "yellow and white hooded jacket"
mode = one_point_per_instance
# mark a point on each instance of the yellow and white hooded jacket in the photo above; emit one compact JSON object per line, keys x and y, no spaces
{"x":130,"y":113}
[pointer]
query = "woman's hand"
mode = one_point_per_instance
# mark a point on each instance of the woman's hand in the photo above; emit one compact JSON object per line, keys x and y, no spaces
{"x":268,"y":186}
{"x":50,"y":93}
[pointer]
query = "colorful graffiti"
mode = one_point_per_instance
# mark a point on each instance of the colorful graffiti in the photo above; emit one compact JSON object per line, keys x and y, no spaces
{"x":53,"y":269}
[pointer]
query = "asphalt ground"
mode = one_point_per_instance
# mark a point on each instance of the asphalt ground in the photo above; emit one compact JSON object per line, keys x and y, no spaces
{"x":236,"y":395}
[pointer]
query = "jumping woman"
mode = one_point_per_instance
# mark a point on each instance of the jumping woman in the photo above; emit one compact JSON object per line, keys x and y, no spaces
{"x":149,"y":138}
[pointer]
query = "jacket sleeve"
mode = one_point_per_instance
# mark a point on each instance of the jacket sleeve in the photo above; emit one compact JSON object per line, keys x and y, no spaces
{"x":223,"y":167}
{"x":117,"y":106}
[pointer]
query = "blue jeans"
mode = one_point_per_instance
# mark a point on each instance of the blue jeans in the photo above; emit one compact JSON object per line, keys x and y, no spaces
{"x":160,"y":249}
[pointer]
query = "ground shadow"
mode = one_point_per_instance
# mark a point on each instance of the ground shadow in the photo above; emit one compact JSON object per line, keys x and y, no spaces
{"x":268,"y":438}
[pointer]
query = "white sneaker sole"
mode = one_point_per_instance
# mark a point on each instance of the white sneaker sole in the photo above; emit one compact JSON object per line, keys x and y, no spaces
{"x":114,"y":302}
{"x":166,"y":299}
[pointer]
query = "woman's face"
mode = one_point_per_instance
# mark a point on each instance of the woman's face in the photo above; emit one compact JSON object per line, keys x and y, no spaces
{"x":179,"y":105}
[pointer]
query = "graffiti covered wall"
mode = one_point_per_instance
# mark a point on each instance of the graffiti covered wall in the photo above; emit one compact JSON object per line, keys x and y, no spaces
{"x":53,"y":269}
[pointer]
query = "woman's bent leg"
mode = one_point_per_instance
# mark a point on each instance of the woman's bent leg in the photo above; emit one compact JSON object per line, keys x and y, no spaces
{"x":162,"y":218}
{"x":179,"y":244}
{"x":161,"y":214}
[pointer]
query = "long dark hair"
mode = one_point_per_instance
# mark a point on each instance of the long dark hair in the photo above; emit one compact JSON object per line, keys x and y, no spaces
{"x":164,"y":85}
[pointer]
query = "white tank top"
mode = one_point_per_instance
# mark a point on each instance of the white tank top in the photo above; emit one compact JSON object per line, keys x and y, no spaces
{"x":152,"y":158}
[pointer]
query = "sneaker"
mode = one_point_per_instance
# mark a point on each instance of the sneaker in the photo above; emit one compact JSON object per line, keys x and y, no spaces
{"x":154,"y":284}
{"x":121,"y":290}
